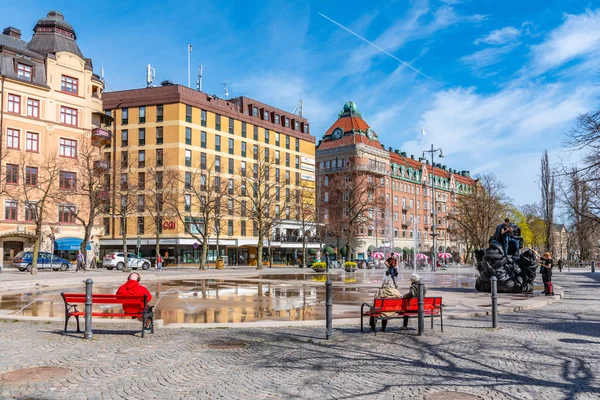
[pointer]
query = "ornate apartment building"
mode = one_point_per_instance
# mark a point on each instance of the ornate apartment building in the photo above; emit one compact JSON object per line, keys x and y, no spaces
{"x":51,"y":103}
{"x":401,"y":211}
{"x":175,"y":128}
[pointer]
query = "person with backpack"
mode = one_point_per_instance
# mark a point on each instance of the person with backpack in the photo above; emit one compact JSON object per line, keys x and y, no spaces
{"x":392,"y":265}
{"x":159,"y":262}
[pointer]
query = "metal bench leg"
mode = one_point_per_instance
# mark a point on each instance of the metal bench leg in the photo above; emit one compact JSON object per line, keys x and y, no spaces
{"x":442,"y":319}
{"x":78,"y":329}
{"x":66,"y":322}
{"x":432,"y":322}
{"x":152,"y":324}
{"x":362,"y":323}
{"x":143,"y":325}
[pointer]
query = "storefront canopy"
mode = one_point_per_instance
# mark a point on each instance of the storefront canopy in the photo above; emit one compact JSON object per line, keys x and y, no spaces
{"x":69,"y":244}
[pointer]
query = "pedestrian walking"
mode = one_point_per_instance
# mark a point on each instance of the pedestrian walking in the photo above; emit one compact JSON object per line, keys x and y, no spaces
{"x":560,"y":265}
{"x":546,"y":266}
{"x":159,"y":262}
{"x":80,"y":262}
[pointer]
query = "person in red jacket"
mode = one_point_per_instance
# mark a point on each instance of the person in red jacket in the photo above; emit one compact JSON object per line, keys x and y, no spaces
{"x":133,"y":288}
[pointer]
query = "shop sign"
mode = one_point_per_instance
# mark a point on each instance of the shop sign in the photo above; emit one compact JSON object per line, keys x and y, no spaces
{"x":169,"y":225}
{"x":308,"y":177}
{"x":308,"y":160}
{"x":307,"y":167}
{"x":168,"y":241}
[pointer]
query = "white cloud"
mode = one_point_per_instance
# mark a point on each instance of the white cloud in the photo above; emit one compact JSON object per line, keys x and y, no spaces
{"x":577,"y":37}
{"x":500,"y":36}
{"x":486,"y":57}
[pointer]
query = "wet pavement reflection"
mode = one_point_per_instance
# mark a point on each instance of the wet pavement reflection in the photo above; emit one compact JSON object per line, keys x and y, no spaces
{"x":270,"y":296}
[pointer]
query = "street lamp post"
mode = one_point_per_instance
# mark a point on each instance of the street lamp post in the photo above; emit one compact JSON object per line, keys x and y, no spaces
{"x":433,"y":151}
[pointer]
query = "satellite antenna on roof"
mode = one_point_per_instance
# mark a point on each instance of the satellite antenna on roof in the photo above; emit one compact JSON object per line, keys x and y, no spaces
{"x":226,"y":90}
{"x":199,"y":80}
{"x":299,"y":109}
{"x":150,"y":75}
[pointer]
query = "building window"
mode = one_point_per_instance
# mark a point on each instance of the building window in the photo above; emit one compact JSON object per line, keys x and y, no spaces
{"x":203,"y":117}
{"x":287,"y":142}
{"x":287,"y":177}
{"x":188,"y":158}
{"x":12,"y":173}
{"x":140,"y":225}
{"x":67,"y":180}
{"x":187,"y":202}
{"x":30,"y":211}
{"x":243,"y":149}
{"x":287,"y":159}
{"x":188,"y":135}
{"x":24,"y":72}
{"x":277,"y":121}
{"x":13,"y":138}
{"x":33,"y":108}
{"x":230,"y":187}
{"x":305,"y":128}
{"x":141,"y":158}
{"x":277,"y":137}
{"x":296,"y":125}
{"x":106,"y":224}
{"x":69,"y":85}
{"x":266,"y":136}
{"x":159,"y":135}
{"x":159,"y":113}
{"x":242,"y":228}
{"x":142,"y":114}
{"x":231,"y":148}
{"x":231,"y":121}
{"x":31,"y":176}
{"x":298,"y":145}
{"x":230,"y":227}
{"x":277,"y":175}
{"x":230,"y":169}
{"x":159,"y":157}
{"x":68,"y":148}
{"x":124,"y":116}
{"x":266,"y":115}
{"x":14,"y":104}
{"x":218,"y":122}
{"x":122,"y":226}
{"x":218,"y":142}
{"x":124,"y":138}
{"x":297,"y":162}
{"x":267,"y":155}
{"x":68,"y":116}
{"x":217,"y":163}
{"x":203,"y":139}
{"x":287,"y":122}
{"x":243,"y":168}
{"x":141,"y":204}
{"x":255,"y":111}
{"x":203,"y":160}
{"x":66,"y":213}
{"x":243,"y":129}
{"x":255,"y":132}
{"x":142,"y":137}
{"x":188,"y":180}
{"x":277,"y":158}
{"x":203,"y":183}
{"x":230,"y":207}
{"x":188,"y":113}
{"x":124,"y":159}
{"x":10,"y":210}
{"x":141,"y":180}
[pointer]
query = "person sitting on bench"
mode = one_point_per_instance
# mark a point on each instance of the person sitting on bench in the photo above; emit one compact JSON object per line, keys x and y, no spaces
{"x":386,"y":292}
{"x":133,"y":288}
{"x":413,"y":292}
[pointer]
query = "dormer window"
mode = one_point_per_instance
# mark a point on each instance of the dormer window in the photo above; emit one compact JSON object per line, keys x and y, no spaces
{"x":255,"y":111}
{"x":297,"y":125}
{"x":69,"y":85}
{"x":287,"y":122}
{"x":266,"y":115}
{"x":277,"y":118}
{"x":24,"y":72}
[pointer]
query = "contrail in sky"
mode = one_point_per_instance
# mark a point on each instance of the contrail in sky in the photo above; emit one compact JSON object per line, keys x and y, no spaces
{"x":379,"y":48}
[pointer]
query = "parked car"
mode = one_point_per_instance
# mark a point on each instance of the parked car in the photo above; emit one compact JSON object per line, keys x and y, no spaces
{"x":116,"y":260}
{"x":23,"y":261}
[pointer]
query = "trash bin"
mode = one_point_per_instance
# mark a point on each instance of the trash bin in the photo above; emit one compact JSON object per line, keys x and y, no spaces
{"x":220,"y":264}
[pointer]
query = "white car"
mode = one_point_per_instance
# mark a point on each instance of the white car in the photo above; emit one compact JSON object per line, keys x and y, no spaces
{"x":116,"y":260}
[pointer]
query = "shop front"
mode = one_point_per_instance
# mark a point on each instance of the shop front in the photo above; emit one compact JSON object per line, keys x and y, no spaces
{"x":68,"y":247}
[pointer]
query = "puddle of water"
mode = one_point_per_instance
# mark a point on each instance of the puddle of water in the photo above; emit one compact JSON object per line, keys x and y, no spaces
{"x":268,"y":297}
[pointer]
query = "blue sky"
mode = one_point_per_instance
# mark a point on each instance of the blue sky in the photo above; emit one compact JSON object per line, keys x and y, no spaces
{"x":511,"y":76}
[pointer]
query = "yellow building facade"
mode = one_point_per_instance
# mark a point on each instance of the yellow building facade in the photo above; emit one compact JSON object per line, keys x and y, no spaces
{"x":51,"y":101}
{"x":172,"y":128}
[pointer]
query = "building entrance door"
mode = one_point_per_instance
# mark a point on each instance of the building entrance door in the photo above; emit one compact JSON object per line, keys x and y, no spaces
{"x":232,"y":256}
{"x":11,"y":249}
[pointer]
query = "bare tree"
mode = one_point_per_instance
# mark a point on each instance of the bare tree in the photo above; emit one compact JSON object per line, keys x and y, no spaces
{"x":477,"y":213}
{"x":129,"y":201}
{"x":306,"y":208}
{"x":548,"y":200}
{"x":42,"y":187}
{"x":259,"y":197}
{"x":158,"y":185}
{"x":353,"y":195}
{"x":204,"y":196}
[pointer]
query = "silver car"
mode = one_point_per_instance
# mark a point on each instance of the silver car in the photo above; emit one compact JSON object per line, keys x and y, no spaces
{"x":116,"y":260}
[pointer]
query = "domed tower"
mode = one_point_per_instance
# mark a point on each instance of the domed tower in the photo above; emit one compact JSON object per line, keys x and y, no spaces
{"x":350,"y":128}
{"x":52,"y":34}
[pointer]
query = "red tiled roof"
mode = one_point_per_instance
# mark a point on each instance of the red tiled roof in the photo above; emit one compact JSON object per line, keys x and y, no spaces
{"x":415,"y":164}
{"x":348,"y":140}
{"x":349,"y":124}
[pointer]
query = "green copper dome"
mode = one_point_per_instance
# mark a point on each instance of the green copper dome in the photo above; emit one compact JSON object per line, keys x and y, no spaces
{"x":350,"y":109}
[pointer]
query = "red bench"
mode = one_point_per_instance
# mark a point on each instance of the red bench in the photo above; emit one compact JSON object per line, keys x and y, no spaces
{"x":72,"y":299}
{"x":400,"y":308}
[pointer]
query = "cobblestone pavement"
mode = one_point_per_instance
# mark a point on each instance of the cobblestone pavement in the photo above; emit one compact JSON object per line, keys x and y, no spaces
{"x":547,"y":353}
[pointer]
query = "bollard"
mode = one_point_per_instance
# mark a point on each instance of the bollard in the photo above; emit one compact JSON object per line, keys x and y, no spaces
{"x":328,"y":308}
{"x":421,"y":303}
{"x":494,"y":281}
{"x":593,"y":267}
{"x":88,"y":309}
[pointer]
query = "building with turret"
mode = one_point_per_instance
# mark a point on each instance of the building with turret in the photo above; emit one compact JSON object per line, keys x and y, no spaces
{"x":50,"y":106}
{"x":400,"y":213}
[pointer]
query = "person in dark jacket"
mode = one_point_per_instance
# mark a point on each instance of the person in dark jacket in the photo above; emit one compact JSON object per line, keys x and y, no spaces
{"x":546,"y":264}
{"x":392,"y":265}
{"x":133,"y":288}
{"x":413,"y":292}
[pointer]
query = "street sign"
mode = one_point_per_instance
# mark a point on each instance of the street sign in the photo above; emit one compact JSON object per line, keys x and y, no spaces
{"x":196,"y":246}
{"x":139,"y":241}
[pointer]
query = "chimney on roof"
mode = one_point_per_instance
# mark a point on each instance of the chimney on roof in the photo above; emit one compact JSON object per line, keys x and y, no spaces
{"x":444,"y":168}
{"x":403,"y":154}
{"x":390,"y":149}
{"x":12,"y":32}
{"x":412,"y":156}
{"x":397,"y":151}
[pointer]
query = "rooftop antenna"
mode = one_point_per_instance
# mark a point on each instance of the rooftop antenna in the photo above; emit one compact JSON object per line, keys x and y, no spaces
{"x":226,"y":90}
{"x":189,"y":52}
{"x":150,"y":75}
{"x":102,"y":74}
{"x":299,"y":108}
{"x":199,"y":80}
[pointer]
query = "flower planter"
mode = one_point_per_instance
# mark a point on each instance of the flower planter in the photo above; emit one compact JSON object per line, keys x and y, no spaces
{"x":350,"y":269}
{"x":319,"y":270}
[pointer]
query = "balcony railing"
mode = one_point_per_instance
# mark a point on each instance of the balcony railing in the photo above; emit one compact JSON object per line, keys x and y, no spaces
{"x":101,"y":166}
{"x":101,"y":137}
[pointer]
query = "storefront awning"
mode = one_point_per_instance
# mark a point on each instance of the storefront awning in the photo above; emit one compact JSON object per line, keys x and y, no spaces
{"x":69,"y":244}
